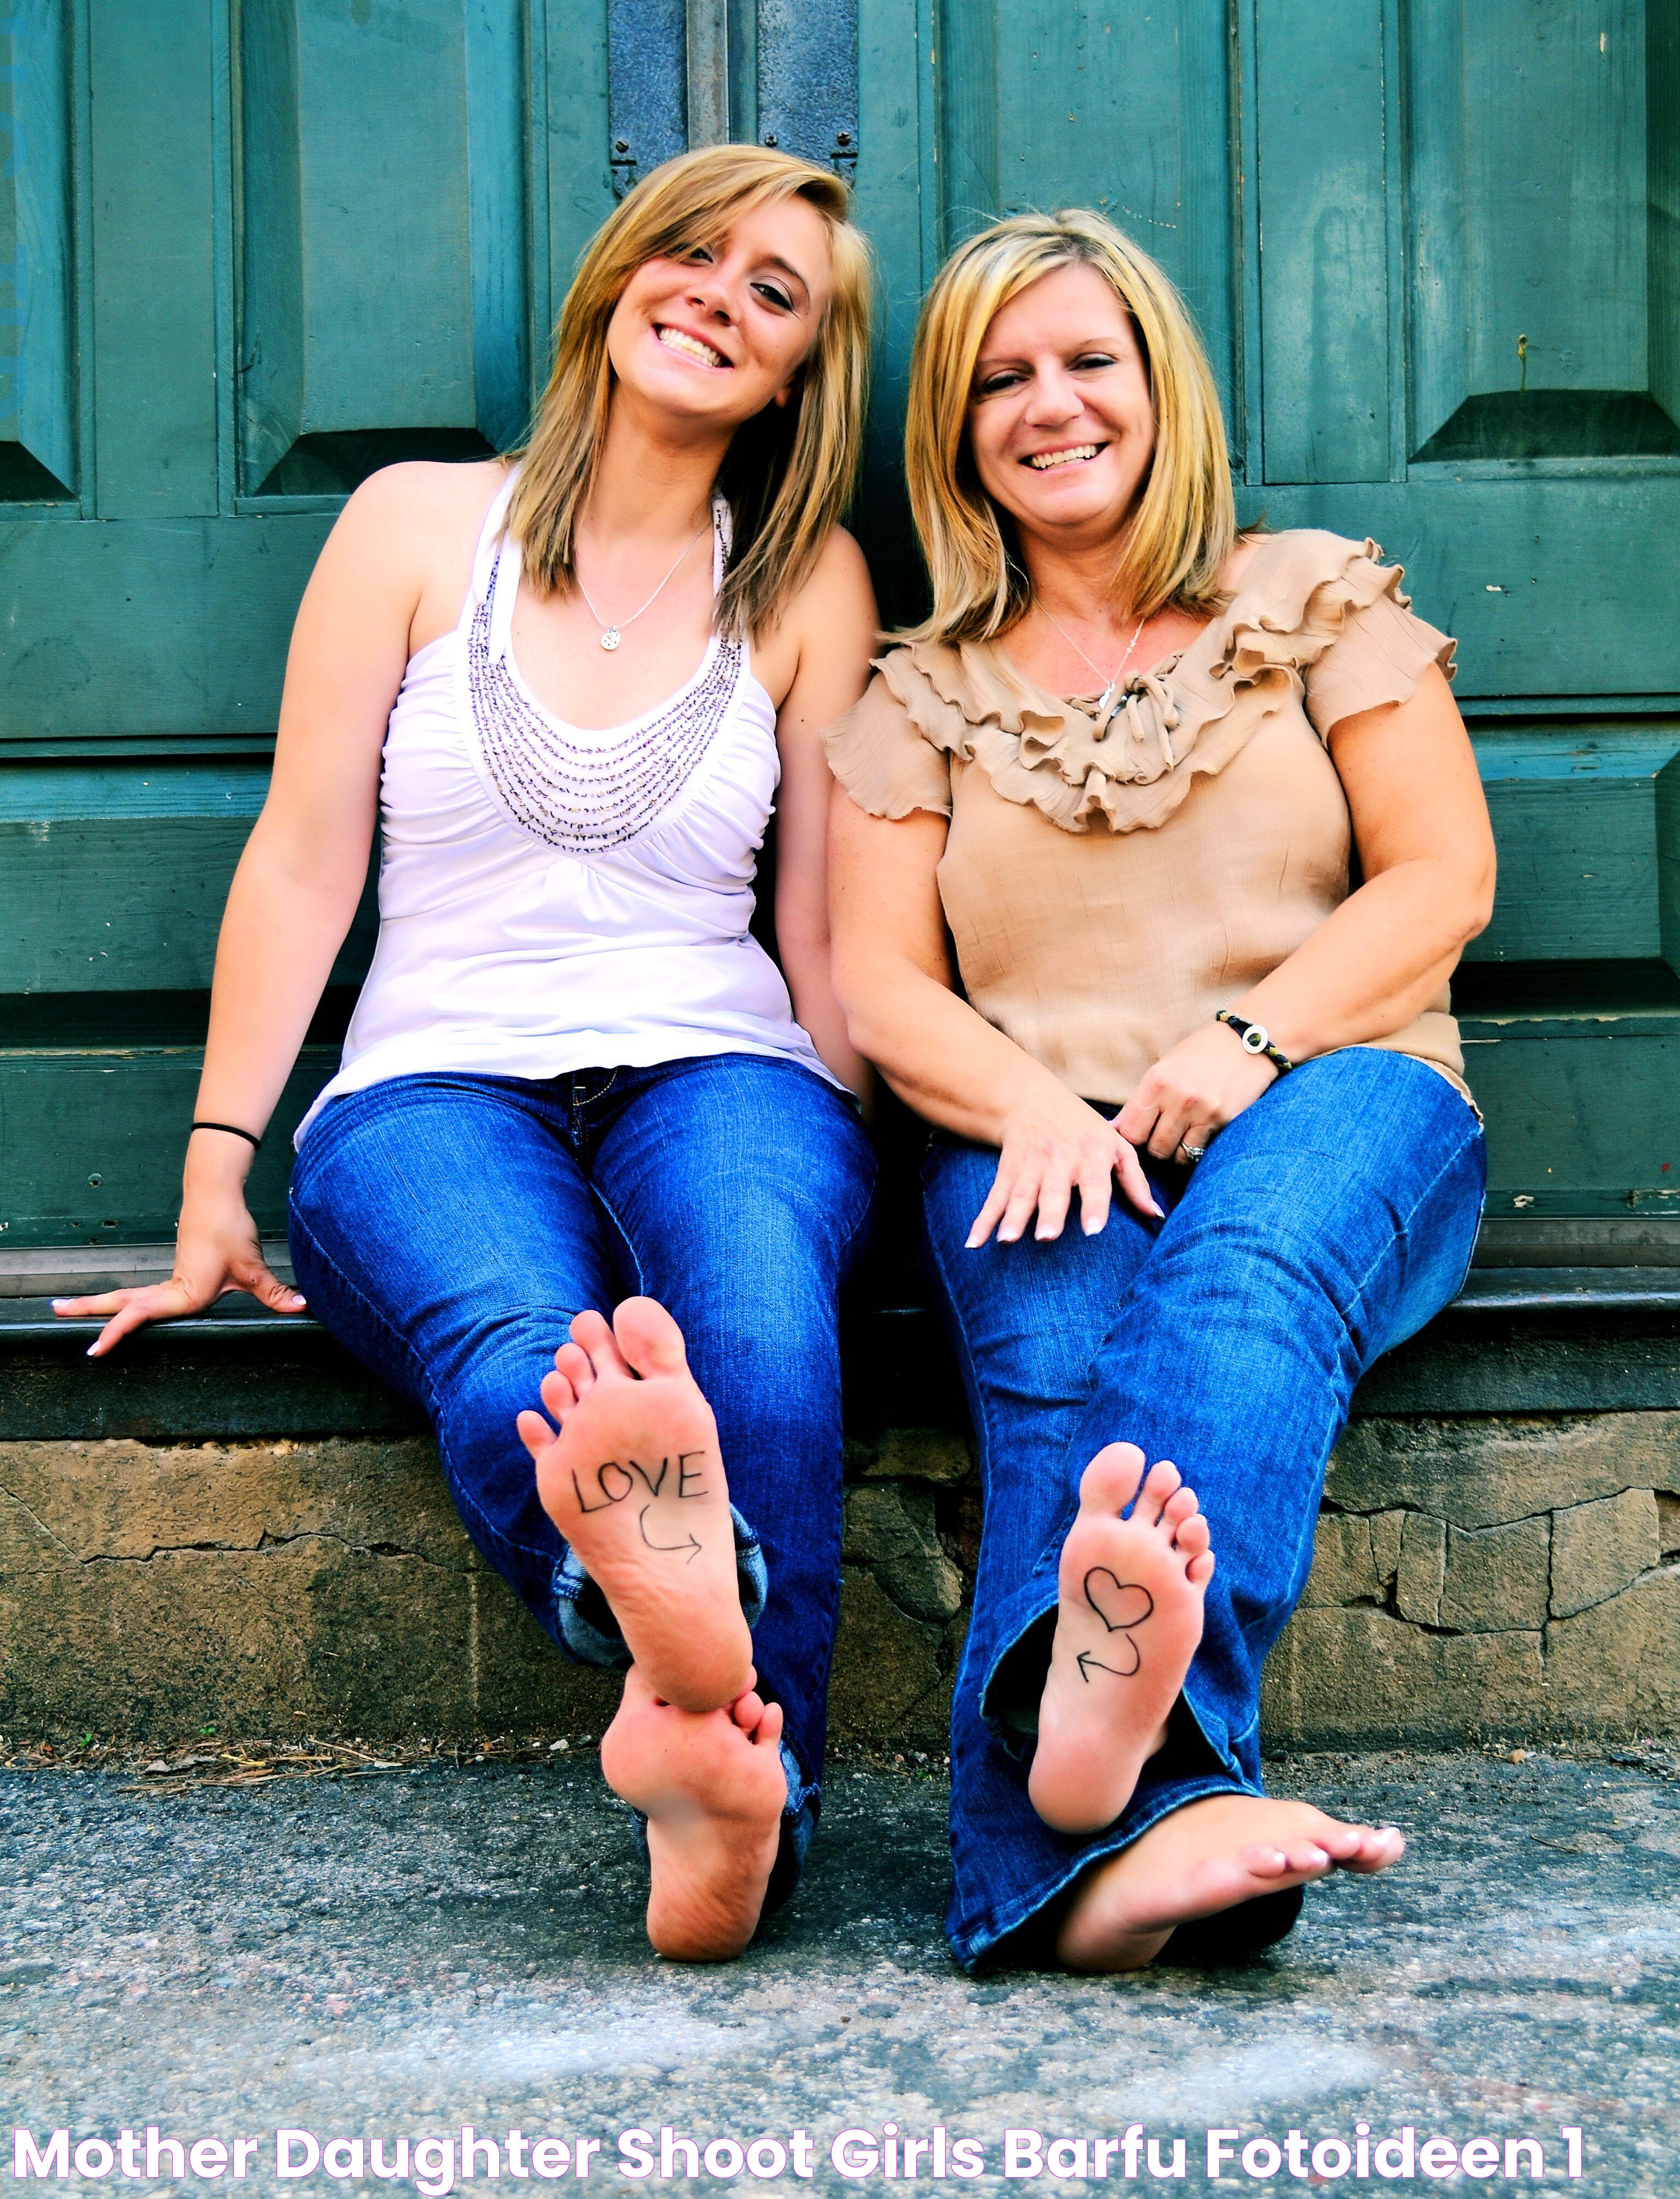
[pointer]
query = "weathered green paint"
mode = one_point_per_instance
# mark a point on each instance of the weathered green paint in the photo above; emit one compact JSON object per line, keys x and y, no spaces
{"x":38,"y":378}
{"x":92,"y":1141}
{"x":113,"y":878}
{"x":1580,"y":1115}
{"x":151,"y":627}
{"x":1580,"y":814}
{"x":277,"y":244}
{"x":359,"y":290}
{"x":1580,"y":1110}
{"x":1324,"y":263}
{"x":154,"y":238}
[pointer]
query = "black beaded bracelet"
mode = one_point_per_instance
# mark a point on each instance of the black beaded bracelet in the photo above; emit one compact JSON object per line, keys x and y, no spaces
{"x":233,"y":1131}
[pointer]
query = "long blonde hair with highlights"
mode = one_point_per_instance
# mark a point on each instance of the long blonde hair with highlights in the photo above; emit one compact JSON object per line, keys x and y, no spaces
{"x":790,"y":471}
{"x":1184,"y":525}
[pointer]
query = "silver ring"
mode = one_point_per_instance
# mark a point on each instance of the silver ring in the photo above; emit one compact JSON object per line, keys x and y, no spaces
{"x":1193,"y":1153}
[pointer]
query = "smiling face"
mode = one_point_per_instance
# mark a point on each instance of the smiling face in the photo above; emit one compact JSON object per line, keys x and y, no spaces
{"x":1060,"y":421}
{"x":711,"y":337}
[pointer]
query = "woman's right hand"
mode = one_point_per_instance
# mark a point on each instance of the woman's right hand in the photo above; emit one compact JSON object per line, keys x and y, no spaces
{"x":217,"y":1249}
{"x":1053,"y":1142}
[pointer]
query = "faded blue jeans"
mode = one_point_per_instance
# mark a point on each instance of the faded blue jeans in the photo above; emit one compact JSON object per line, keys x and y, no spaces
{"x":1329,"y":1221}
{"x":446,"y":1227}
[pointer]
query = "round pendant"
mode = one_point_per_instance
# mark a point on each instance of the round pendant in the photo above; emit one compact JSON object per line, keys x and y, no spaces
{"x":611,"y":637}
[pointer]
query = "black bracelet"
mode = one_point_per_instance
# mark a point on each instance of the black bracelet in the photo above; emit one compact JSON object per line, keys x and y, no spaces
{"x":1255,"y":1039}
{"x":233,"y":1131}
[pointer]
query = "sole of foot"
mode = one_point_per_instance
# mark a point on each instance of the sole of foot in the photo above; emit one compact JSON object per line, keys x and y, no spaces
{"x":713,"y":1789}
{"x":1208,"y":1856}
{"x":1127,"y":1621}
{"x":633,"y":1479}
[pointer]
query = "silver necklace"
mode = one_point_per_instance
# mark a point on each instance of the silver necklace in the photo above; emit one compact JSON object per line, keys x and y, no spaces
{"x":1109,"y":683}
{"x":612,"y":634}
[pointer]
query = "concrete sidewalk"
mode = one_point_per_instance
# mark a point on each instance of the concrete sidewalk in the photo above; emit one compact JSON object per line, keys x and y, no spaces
{"x":396,"y":1955}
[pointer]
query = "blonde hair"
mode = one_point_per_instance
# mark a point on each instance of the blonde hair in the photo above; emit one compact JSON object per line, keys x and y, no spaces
{"x":1185,"y":523}
{"x":789,"y":472}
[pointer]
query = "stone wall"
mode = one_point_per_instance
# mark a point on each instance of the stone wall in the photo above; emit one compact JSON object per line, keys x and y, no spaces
{"x":1490,"y":1575}
{"x":1474,"y":1575}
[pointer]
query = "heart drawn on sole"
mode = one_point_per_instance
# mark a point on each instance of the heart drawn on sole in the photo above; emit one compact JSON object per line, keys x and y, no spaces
{"x":1121,"y":1606}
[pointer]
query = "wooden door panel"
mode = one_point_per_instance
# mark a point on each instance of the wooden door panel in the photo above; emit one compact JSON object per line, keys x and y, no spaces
{"x":167,"y":628}
{"x":154,"y":238}
{"x":91,"y":1140}
{"x":113,"y":875}
{"x":37,"y":383}
{"x":1586,"y":818}
{"x":1536,"y":136}
{"x":1580,"y":1110}
{"x":384,"y":299}
{"x":1322,"y":137}
{"x":1555,"y":587}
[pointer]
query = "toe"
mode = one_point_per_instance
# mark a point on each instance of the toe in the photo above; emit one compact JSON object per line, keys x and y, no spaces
{"x":1339,"y":1842}
{"x":1378,"y":1846}
{"x":747,"y":1709}
{"x":572,"y":1360}
{"x":1200,"y":1570}
{"x":1179,"y":1509}
{"x":769,"y":1732}
{"x":559,"y":1395}
{"x":590,"y":1331}
{"x":1263,"y":1862}
{"x":650,"y":1340}
{"x":1191,"y":1536}
{"x":1162,"y":1482}
{"x":1110,"y":1481}
{"x":534,"y":1433}
{"x":1306,"y":1860}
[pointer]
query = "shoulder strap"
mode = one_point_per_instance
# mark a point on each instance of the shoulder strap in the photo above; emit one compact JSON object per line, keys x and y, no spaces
{"x":491,"y":536}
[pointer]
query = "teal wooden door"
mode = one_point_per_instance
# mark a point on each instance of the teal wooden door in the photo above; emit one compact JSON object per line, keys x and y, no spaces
{"x":260,"y":245}
{"x":256,"y":248}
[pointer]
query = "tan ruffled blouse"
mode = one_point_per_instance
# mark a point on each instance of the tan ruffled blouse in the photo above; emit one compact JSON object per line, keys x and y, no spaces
{"x":1109,"y":881}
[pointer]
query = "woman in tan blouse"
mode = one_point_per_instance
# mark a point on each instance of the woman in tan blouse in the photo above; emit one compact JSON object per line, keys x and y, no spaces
{"x":1095,"y":920}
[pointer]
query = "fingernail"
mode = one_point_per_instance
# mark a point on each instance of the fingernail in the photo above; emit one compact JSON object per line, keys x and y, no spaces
{"x":973,"y":1243}
{"x":92,"y":1351}
{"x":1093,"y":1222}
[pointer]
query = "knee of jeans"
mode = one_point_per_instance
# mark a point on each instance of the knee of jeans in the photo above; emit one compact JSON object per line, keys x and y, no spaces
{"x":1256,"y":1261}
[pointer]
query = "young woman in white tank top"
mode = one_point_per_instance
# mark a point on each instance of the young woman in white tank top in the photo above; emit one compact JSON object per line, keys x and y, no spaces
{"x":570,"y":688}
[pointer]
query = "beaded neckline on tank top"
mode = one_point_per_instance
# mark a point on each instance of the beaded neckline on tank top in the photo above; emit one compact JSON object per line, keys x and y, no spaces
{"x":577,"y":792}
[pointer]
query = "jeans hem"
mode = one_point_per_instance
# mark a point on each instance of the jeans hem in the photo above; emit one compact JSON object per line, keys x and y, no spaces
{"x":596,"y":1640}
{"x":973,"y":1944}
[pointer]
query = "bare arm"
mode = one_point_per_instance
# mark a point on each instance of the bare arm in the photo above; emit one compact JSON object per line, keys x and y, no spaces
{"x":836,"y":628}
{"x":294,"y":894}
{"x":893,"y":977}
{"x":1426,"y":846}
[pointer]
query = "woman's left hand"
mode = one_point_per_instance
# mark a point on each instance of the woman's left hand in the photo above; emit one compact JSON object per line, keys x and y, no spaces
{"x":1193,"y":1091}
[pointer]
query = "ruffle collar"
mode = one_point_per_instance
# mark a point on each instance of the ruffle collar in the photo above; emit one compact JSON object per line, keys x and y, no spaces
{"x":1133,"y":762}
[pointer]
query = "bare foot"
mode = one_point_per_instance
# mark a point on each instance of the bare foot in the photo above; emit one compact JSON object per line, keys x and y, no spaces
{"x":713,"y":1790}
{"x":1208,"y":1856}
{"x":1128,"y":1624}
{"x":634,"y":1482}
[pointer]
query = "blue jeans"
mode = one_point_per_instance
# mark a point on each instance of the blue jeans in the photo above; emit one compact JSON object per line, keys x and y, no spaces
{"x":1329,"y":1221}
{"x":447,"y":1227}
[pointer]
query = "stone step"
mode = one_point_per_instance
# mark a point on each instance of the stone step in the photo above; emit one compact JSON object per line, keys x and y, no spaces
{"x":231,"y":1525}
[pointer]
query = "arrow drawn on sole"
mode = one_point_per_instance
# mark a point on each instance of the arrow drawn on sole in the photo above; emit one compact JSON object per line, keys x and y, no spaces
{"x":1087,"y":1663}
{"x":691,"y":1545}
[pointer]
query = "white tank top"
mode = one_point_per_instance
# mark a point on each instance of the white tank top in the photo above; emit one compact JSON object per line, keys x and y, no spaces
{"x":552,"y":897}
